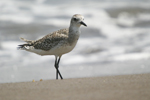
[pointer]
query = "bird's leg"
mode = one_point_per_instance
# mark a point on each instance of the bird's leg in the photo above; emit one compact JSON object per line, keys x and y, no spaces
{"x":57,"y":66}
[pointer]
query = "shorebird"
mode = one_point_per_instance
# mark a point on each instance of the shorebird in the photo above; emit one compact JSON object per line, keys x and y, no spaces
{"x":56,"y":43}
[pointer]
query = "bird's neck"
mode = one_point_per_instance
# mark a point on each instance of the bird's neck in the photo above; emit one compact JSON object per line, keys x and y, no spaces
{"x":74,"y":29}
{"x":74,"y":33}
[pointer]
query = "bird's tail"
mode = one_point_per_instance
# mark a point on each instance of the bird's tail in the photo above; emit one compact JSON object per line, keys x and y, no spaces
{"x":20,"y":47}
{"x":25,"y":40}
{"x":25,"y":46}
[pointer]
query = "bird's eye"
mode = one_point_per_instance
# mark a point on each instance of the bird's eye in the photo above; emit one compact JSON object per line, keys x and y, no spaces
{"x":75,"y":19}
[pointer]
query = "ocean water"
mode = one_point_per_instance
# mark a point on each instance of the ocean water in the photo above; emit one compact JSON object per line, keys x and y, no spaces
{"x":116,"y":41}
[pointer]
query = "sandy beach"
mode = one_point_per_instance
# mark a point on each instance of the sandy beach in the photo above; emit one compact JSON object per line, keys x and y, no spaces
{"x":122,"y":87}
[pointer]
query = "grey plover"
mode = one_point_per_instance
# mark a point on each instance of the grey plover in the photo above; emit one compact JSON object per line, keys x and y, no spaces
{"x":56,"y":43}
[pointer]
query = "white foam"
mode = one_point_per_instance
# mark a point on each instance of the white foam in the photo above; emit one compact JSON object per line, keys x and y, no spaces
{"x":132,"y":56}
{"x":23,"y":19}
{"x":126,"y":19}
{"x":10,"y":45}
{"x":144,"y":16}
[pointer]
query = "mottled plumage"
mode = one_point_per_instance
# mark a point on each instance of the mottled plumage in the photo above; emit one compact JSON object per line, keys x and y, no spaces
{"x":56,"y":43}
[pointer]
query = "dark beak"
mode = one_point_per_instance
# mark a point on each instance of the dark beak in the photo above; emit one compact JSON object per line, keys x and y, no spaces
{"x":83,"y":23}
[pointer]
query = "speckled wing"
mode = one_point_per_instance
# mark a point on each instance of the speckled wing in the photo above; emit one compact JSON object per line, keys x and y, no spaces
{"x":49,"y":41}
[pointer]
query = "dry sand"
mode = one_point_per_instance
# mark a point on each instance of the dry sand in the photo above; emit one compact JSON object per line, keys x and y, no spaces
{"x":124,"y":87}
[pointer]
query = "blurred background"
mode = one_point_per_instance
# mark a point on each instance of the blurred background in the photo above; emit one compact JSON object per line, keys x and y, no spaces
{"x":116,"y":41}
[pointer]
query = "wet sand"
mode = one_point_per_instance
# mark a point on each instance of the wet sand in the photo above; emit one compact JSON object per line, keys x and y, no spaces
{"x":123,"y":87}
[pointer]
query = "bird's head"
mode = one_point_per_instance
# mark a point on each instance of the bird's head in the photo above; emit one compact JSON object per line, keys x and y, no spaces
{"x":77,"y":20}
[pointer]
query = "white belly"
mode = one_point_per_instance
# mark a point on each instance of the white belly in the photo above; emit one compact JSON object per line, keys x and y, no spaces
{"x":58,"y":50}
